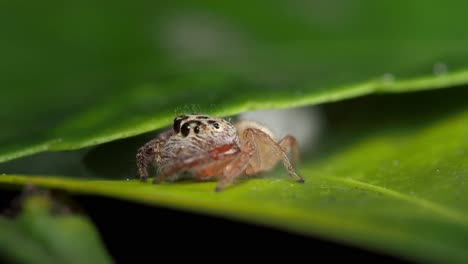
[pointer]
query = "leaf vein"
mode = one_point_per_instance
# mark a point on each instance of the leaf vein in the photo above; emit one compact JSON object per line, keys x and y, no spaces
{"x":440,"y":209}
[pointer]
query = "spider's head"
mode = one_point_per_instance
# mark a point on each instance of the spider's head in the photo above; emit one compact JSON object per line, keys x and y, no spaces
{"x":206,"y":128}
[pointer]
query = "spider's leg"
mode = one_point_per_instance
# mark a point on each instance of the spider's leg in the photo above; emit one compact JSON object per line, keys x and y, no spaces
{"x":289,"y":143}
{"x":203,"y":165}
{"x":214,"y":168}
{"x":236,"y":167}
{"x":144,"y":157}
{"x":277,"y":150}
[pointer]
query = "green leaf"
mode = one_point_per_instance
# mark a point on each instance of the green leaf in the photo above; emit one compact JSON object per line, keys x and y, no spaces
{"x":96,"y":72}
{"x":39,"y":236}
{"x":389,"y":175}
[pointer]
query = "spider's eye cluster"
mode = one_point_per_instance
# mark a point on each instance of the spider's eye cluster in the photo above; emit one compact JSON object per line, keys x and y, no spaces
{"x":185,"y":130}
{"x":183,"y":124}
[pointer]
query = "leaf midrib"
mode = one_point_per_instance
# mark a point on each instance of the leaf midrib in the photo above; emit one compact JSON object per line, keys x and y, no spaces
{"x":438,"y":209}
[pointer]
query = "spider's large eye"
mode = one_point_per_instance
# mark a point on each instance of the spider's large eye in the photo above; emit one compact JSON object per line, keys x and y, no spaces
{"x":216,"y":125}
{"x":177,"y":125}
{"x":177,"y":122}
{"x":185,"y":129}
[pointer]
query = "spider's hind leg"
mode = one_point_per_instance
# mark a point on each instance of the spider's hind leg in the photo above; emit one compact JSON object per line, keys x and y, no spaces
{"x":279,"y":149}
{"x":289,"y":144}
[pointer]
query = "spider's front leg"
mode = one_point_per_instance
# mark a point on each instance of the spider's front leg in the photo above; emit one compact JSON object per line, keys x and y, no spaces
{"x":202,"y":165}
{"x":236,"y":167}
{"x":148,"y":154}
{"x":144,"y":157}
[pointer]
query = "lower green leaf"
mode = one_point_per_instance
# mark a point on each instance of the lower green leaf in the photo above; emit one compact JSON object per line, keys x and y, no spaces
{"x":38,"y":236}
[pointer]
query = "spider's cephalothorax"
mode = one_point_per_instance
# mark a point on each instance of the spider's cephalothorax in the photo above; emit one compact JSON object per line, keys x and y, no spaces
{"x":207,"y":147}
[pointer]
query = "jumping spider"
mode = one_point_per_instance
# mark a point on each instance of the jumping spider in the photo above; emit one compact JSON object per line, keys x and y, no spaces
{"x":206,"y":147}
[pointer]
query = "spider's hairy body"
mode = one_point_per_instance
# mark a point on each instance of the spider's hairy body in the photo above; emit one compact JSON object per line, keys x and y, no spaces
{"x":206,"y":147}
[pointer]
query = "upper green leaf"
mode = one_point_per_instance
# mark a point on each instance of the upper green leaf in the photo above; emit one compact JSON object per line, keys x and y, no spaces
{"x":83,"y":73}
